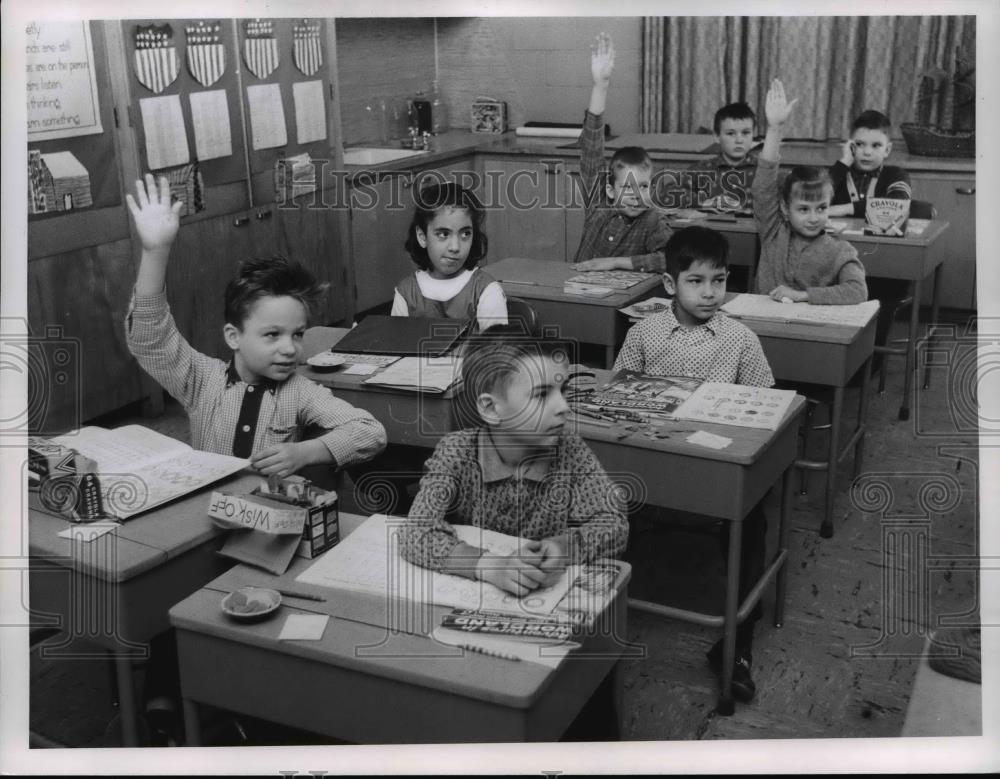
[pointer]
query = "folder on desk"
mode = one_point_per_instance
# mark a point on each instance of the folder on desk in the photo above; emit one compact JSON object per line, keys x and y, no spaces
{"x":406,"y":336}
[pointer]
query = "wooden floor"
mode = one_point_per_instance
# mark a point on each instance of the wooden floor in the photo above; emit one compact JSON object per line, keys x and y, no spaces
{"x":857,"y":613}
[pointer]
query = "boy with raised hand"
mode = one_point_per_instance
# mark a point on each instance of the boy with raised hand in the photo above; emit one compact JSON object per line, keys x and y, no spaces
{"x":799,"y":261}
{"x":693,"y":338}
{"x":518,"y":472}
{"x":723,"y":181}
{"x":861,"y":173}
{"x":255,"y":405}
{"x":620,"y":230}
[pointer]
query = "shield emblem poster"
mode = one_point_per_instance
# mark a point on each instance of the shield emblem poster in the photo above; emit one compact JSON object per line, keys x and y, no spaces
{"x":307,"y":49}
{"x":156,"y":64}
{"x":260,"y":49}
{"x":206,"y":55}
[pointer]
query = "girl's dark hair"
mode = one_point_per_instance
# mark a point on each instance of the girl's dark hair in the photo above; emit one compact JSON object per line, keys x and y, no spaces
{"x":272,"y":277}
{"x":807,"y":182}
{"x":431,"y":199}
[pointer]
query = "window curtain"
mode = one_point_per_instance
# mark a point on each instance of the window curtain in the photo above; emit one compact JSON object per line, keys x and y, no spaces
{"x":836,"y":66}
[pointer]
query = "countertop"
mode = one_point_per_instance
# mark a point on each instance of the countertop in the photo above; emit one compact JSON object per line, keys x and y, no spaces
{"x":455,"y":144}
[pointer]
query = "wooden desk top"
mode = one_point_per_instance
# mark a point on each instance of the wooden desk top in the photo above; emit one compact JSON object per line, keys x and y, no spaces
{"x":543,"y":280}
{"x":748,"y":443}
{"x":143,"y":542}
{"x":356,"y":636}
{"x":823,"y":332}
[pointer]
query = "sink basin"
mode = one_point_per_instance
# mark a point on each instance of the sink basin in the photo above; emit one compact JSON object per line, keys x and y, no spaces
{"x":374,"y":155}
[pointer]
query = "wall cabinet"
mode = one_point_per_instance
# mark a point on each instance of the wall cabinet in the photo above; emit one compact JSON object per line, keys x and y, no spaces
{"x":954,"y":197}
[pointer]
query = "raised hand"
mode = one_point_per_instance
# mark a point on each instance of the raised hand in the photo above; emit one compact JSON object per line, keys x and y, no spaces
{"x":777,"y":108}
{"x":602,"y":59}
{"x":156,"y":220}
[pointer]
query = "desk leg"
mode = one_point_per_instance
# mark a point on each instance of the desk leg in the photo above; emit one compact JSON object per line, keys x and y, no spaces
{"x":935,"y":306}
{"x":780,"y":580}
{"x":192,"y":723}
{"x":609,"y":356}
{"x":726,"y":706}
{"x":836,"y":414}
{"x":859,"y":447}
{"x":128,"y":708}
{"x":911,"y":346}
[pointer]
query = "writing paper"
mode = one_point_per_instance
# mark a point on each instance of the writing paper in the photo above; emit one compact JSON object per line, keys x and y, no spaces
{"x":163,"y":124}
{"x":212,"y":129}
{"x":303,"y":627}
{"x":310,"y":111}
{"x":267,"y":117}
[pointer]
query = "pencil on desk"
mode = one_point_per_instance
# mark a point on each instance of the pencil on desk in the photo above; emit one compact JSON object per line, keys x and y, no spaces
{"x":303,"y":595}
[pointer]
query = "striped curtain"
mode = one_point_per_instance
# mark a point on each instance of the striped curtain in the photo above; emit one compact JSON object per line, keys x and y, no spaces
{"x":836,"y":66}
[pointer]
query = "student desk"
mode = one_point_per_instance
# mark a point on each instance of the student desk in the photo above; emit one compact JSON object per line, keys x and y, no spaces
{"x":114,"y":592}
{"x":585,"y":319}
{"x":414,"y":418}
{"x":911,"y":258}
{"x":366,"y":683}
{"x":830,"y":355}
{"x":718,"y":483}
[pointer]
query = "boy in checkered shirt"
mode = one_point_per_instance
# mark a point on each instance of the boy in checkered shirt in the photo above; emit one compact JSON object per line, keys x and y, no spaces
{"x":256,"y":405}
{"x":693,"y":338}
{"x":620,"y":230}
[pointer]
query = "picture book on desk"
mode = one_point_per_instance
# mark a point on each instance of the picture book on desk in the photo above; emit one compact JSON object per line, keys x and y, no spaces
{"x":762,"y":307}
{"x":369,"y":560}
{"x":631,"y":394}
{"x":140,"y":469}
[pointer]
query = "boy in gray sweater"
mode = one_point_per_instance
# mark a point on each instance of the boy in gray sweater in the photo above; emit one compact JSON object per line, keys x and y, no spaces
{"x":799,"y":262}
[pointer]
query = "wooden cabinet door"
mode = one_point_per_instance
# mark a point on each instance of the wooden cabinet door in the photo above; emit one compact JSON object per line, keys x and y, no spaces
{"x":954,"y":197}
{"x":526,"y":213}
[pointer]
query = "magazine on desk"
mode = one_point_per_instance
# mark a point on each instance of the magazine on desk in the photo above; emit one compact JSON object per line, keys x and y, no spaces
{"x":634,"y":396}
{"x":140,"y":469}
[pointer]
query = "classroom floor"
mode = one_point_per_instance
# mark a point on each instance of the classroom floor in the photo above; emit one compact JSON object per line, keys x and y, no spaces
{"x":842,"y":665}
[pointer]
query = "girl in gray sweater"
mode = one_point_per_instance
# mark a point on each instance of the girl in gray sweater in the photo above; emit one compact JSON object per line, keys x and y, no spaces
{"x":799,"y":261}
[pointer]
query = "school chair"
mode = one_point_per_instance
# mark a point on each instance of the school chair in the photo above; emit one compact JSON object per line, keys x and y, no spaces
{"x":520,"y":311}
{"x":919,"y":209}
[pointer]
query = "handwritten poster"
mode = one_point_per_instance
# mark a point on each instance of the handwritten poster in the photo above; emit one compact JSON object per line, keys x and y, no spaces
{"x":60,"y":79}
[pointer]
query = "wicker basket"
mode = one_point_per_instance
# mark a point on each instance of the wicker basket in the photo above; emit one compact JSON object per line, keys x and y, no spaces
{"x":935,"y":142}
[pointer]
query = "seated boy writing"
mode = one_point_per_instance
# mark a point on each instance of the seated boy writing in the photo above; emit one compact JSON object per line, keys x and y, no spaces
{"x":620,"y":230}
{"x":723,"y":181}
{"x":519,"y":472}
{"x":255,"y":405}
{"x":693,"y":338}
{"x":861,"y":173}
{"x":799,"y":261}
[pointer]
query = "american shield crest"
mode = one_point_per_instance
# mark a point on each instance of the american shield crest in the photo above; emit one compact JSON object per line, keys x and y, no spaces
{"x":307,"y":49}
{"x":206,"y":55}
{"x":260,"y":49}
{"x":156,"y":64}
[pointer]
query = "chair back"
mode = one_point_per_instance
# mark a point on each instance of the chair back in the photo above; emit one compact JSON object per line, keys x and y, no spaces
{"x":520,"y":312}
{"x":922,"y":209}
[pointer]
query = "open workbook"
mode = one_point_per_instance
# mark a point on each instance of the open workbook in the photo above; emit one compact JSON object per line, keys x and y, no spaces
{"x":140,"y":469}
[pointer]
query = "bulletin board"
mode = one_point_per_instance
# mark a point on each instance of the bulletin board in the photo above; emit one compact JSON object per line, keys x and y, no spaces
{"x":94,"y":149}
{"x":190,"y":70}
{"x":300,"y":68}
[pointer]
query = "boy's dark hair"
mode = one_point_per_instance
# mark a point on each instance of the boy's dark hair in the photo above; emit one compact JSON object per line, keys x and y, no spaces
{"x":628,"y":157}
{"x":489,"y":362}
{"x":739,"y":110}
{"x":807,"y":182}
{"x":272,"y":277}
{"x":695,"y":244}
{"x":431,"y":199}
{"x":872,"y":120}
